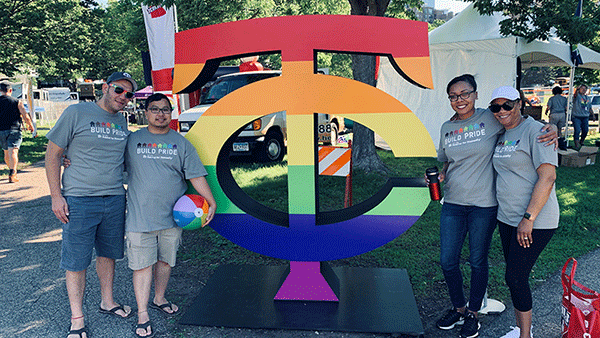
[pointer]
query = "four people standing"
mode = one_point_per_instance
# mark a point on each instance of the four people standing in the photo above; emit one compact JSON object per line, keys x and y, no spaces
{"x":466,"y":147}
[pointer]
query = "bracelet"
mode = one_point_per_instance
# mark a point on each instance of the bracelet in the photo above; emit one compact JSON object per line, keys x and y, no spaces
{"x":75,"y":318}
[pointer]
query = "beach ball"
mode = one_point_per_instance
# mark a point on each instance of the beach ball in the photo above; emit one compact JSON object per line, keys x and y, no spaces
{"x":190,"y":211}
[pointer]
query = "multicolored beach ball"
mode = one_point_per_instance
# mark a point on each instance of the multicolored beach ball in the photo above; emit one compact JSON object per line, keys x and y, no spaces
{"x":190,"y":211}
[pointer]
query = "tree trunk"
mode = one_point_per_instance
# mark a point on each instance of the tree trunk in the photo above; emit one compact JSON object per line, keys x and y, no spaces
{"x":364,"y":152}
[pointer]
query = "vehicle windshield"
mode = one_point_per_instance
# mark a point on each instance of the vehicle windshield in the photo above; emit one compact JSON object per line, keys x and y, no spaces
{"x":222,"y":87}
{"x":596,"y":100}
{"x":226,"y":85}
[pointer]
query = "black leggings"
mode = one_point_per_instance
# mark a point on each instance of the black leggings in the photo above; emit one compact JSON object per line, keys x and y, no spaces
{"x":520,"y":261}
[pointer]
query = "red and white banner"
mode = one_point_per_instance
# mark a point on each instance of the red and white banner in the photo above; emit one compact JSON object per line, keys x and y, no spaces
{"x":160,"y":30}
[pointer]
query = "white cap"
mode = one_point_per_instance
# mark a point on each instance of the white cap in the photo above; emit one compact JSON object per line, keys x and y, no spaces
{"x":505,"y":92}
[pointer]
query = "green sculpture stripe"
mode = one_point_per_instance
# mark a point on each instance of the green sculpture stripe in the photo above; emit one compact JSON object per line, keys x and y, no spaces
{"x":403,"y":202}
{"x":301,"y":189}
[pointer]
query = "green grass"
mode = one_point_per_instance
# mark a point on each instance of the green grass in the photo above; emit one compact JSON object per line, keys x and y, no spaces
{"x":418,"y":249}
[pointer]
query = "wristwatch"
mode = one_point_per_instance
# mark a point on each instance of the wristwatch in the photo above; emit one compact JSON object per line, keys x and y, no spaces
{"x":527,"y":215}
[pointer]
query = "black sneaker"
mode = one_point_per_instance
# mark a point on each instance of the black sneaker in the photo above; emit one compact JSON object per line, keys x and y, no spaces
{"x":470,"y":327}
{"x":451,"y":318}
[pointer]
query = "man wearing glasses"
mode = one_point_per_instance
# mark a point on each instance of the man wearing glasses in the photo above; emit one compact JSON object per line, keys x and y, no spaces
{"x":91,"y":204}
{"x":158,"y":162}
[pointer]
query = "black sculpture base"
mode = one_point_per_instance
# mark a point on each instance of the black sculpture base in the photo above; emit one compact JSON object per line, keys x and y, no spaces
{"x":371,"y":300}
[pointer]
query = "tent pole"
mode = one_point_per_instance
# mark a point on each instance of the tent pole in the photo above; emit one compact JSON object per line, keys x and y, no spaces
{"x":569,"y":104}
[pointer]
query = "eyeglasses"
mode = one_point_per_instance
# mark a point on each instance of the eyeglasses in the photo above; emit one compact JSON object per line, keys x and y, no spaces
{"x":156,"y":110}
{"x":508,"y":106}
{"x":464,"y":96}
{"x":120,"y":90}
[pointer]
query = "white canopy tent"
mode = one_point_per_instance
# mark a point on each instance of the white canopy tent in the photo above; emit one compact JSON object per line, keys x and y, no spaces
{"x":472,"y":43}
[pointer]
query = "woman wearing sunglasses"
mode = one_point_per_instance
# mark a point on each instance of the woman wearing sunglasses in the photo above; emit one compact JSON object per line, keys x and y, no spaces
{"x":466,"y":147}
{"x":528,"y":209}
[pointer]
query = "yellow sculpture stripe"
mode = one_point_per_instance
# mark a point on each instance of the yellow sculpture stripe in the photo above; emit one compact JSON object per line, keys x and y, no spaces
{"x":403,"y":132}
{"x":219,"y":128}
{"x":300,"y":139}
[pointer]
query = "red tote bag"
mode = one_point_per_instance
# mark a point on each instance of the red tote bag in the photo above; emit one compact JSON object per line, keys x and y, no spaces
{"x":580,"y":306}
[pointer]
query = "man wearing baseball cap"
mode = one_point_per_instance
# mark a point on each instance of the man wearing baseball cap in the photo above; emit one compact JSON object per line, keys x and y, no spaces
{"x":91,"y":203}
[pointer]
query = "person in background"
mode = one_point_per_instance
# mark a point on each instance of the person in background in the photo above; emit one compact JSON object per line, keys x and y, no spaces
{"x":12,"y":115}
{"x":557,"y":109}
{"x":466,"y":147}
{"x":91,"y":201}
{"x":582,"y":109}
{"x":528,"y":210}
{"x":156,"y":180}
{"x":524,"y":100}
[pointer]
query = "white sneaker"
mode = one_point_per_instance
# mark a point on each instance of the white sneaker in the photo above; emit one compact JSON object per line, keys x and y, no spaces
{"x":515,"y":333}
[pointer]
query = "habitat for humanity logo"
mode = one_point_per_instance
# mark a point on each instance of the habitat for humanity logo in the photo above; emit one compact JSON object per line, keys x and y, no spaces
{"x":465,"y":133}
{"x":106,"y":128}
{"x":156,"y":148}
{"x":507,"y":146}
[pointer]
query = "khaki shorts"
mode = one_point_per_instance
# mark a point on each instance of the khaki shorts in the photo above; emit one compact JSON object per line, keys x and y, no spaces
{"x":146,"y":248}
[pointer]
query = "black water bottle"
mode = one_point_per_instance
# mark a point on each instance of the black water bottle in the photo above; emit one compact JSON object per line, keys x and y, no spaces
{"x":434,"y":183}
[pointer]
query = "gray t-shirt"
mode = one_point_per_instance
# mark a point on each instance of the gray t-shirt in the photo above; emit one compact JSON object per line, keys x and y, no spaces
{"x":468,"y":146}
{"x":95,"y":142}
{"x":516,"y":159}
{"x":157,"y":167}
{"x":582,"y":106}
{"x":557,"y":104}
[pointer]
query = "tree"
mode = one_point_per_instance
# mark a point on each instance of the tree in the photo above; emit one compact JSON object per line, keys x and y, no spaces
{"x":537,"y":19}
{"x":117,"y":39}
{"x":364,"y":152}
{"x":42,"y":35}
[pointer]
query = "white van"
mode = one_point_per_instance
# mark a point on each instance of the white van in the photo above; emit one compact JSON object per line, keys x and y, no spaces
{"x":263,"y":138}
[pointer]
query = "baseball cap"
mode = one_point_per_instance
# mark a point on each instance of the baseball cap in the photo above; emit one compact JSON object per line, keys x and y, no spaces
{"x":505,"y":92}
{"x":116,"y":76}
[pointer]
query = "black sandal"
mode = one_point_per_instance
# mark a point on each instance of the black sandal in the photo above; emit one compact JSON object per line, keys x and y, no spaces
{"x":114,"y":310}
{"x":163,"y":306}
{"x":79,"y":332}
{"x":147,"y":325}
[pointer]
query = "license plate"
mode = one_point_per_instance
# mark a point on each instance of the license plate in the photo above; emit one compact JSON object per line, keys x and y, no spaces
{"x":242,"y":146}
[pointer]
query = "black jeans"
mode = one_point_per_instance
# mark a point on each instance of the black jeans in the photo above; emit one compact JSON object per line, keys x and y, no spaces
{"x":520,"y":261}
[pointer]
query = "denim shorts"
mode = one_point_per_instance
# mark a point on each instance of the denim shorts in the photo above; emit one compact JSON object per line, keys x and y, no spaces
{"x":10,"y":139}
{"x":94,"y":222}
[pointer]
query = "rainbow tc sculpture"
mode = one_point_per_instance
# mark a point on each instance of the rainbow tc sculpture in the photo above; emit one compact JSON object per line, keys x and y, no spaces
{"x":305,"y":235}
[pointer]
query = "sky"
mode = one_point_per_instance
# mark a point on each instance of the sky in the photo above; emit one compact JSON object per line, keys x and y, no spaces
{"x":454,"y":6}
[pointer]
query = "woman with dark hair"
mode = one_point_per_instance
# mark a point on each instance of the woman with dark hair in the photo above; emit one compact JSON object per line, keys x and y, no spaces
{"x":467,"y":143}
{"x":582,"y":108}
